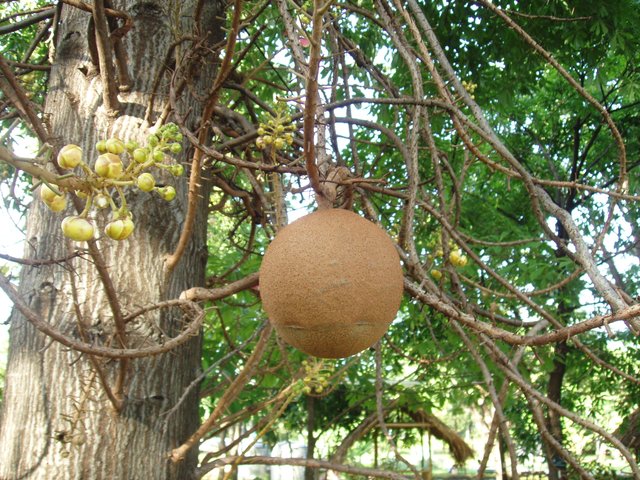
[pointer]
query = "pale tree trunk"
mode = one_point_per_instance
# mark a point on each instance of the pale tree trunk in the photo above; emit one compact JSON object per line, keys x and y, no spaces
{"x":57,"y":422}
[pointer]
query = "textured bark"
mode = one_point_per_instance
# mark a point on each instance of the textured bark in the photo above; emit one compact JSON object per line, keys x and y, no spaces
{"x":57,"y":421}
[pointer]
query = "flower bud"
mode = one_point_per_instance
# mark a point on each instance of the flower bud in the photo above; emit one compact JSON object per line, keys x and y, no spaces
{"x":119,"y":229}
{"x":141,"y":155}
{"x":131,"y":145}
{"x":108,"y":165}
{"x":101,"y":146}
{"x":101,"y":201}
{"x":168,"y":193}
{"x":158,"y":156}
{"x":177,"y":170}
{"x":146,"y":182}
{"x":115,"y":146}
{"x":47,"y":194}
{"x":77,"y":228}
{"x":70,"y":156}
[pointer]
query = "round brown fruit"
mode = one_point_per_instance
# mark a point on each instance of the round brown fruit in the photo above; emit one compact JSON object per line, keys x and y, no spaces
{"x":331,"y":283}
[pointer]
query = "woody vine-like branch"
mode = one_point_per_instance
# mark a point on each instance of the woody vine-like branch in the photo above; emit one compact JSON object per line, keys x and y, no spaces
{"x":320,"y":7}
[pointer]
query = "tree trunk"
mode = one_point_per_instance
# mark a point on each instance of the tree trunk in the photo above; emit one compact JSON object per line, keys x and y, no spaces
{"x":57,"y":421}
{"x":554,"y":392}
{"x":311,"y":473}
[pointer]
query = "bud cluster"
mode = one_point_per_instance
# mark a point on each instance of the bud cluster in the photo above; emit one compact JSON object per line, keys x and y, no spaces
{"x":316,"y":378}
{"x":117,"y":166}
{"x":456,"y":257}
{"x":276,"y":132}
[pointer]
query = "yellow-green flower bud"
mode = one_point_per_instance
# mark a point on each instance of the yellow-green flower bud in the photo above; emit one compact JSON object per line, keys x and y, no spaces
{"x":58,"y":203}
{"x":168,"y":193}
{"x":108,"y":165}
{"x":47,"y":194}
{"x":77,"y":228}
{"x":115,"y":146}
{"x":140,"y":155}
{"x":70,"y":156}
{"x":158,"y":156}
{"x":101,"y":201}
{"x":131,"y":145}
{"x":146,"y":182}
{"x":101,"y":146}
{"x":119,"y":229}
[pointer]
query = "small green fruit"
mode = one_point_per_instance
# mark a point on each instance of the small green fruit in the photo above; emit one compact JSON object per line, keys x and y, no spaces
{"x":70,"y":156}
{"x":115,"y":146}
{"x":175,"y":148}
{"x":108,"y":165}
{"x":146,"y":182}
{"x":77,"y":228}
{"x":177,"y":170}
{"x":119,"y":229}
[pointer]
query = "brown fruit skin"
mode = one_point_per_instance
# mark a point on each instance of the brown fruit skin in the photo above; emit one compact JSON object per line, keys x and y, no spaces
{"x":331,"y":283}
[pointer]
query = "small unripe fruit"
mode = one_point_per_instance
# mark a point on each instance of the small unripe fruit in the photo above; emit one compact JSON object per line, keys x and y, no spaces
{"x":146,"y":182}
{"x":175,"y":148}
{"x":279,"y":143}
{"x":140,"y":155}
{"x":108,"y":165}
{"x":77,"y":228}
{"x":153,"y":140}
{"x":115,"y":146}
{"x":177,"y":170}
{"x":168,"y":193}
{"x":119,"y":229}
{"x":437,"y":274}
{"x":70,"y":156}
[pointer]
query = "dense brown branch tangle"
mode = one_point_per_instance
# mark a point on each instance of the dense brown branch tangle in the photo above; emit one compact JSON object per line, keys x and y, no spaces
{"x":264,"y":154}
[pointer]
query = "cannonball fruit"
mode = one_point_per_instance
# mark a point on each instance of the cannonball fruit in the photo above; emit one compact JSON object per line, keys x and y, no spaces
{"x":331,"y":283}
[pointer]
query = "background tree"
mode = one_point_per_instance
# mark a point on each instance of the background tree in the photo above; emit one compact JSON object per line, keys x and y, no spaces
{"x":496,"y":142}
